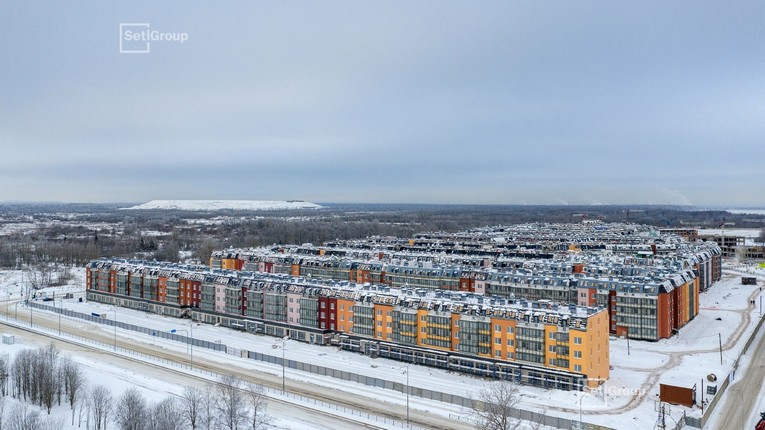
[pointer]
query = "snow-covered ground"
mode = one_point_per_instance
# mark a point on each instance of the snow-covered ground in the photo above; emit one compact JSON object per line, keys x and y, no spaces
{"x":749,"y":234}
{"x":212,"y":205}
{"x":629,"y":396}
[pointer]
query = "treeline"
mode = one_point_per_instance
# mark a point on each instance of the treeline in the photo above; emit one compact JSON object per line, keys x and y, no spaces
{"x":44,"y":379}
{"x":78,"y":237}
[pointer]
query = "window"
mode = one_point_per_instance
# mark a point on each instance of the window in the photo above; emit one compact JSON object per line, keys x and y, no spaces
{"x":510,"y":342}
{"x":379,"y":323}
{"x":551,"y":335}
{"x":551,"y":348}
{"x":497,"y":327}
{"x":498,"y":353}
{"x":342,"y":307}
{"x":379,"y":312}
{"x":510,"y":329}
{"x":387,"y":313}
{"x":577,"y":340}
{"x":511,"y":355}
{"x":387,"y":325}
{"x":342,"y":317}
{"x":577,"y":368}
{"x":498,"y":341}
{"x":577,"y":354}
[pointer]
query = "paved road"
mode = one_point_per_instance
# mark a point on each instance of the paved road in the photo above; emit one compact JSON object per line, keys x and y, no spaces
{"x":742,"y":397}
{"x":419,"y":418}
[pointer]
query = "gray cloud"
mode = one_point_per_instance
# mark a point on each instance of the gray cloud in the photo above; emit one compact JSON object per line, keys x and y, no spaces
{"x":513,"y":102}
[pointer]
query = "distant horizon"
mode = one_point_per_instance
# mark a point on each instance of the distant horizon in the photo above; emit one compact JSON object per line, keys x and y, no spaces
{"x":710,"y":207}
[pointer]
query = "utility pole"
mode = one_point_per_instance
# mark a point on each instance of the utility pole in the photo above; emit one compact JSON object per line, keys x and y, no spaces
{"x":115,"y":326}
{"x":719,"y":339}
{"x":407,"y":394}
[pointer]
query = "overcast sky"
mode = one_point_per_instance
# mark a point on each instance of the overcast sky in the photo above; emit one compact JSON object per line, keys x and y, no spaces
{"x":509,"y":102}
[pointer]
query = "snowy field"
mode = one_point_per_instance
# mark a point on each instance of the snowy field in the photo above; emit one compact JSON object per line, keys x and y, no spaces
{"x":629,"y":396}
{"x":214,"y":205}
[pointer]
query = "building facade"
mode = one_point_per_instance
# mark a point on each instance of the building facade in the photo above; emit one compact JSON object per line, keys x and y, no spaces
{"x":534,"y":342}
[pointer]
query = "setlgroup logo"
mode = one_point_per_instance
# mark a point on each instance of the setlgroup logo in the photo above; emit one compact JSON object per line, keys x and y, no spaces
{"x":136,"y":38}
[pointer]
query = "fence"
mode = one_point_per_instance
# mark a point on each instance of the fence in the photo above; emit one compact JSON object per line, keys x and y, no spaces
{"x":466,"y":402}
{"x":289,"y":397}
{"x":708,"y":411}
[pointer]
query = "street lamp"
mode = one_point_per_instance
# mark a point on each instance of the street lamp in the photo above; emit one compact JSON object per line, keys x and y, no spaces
{"x":407,"y":394}
{"x":191,"y":357}
{"x":16,"y":309}
{"x":283,"y":340}
{"x":60,"y":306}
{"x":115,"y":326}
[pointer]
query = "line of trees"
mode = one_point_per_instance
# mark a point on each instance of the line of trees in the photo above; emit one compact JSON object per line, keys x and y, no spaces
{"x":43,"y":378}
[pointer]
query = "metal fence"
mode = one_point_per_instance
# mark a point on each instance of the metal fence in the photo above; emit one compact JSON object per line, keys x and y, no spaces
{"x":709,"y":410}
{"x":466,"y":402}
{"x":270,"y":392}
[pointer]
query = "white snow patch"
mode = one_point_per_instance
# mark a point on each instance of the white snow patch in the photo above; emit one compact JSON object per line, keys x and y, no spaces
{"x":212,"y":205}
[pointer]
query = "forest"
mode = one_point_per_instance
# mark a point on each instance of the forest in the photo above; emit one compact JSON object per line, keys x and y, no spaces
{"x":53,"y":235}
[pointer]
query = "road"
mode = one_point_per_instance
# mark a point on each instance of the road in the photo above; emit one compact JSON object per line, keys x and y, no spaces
{"x":334,"y":396}
{"x":742,"y":397}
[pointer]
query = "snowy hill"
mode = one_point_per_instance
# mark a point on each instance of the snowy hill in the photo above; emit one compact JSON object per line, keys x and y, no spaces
{"x":213,"y":205}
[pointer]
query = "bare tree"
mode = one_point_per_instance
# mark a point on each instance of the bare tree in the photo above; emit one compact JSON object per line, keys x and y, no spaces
{"x":207,"y":411}
{"x":83,"y":401}
{"x":38,"y":275}
{"x":259,"y":419}
{"x":191,"y":405}
{"x":131,"y":413}
{"x":5,"y":366}
{"x":230,"y":404}
{"x":21,"y":418}
{"x":101,"y":404}
{"x":47,"y":371}
{"x":165,"y":415}
{"x":494,"y":406}
{"x":74,"y":381}
{"x":2,"y":410}
{"x":53,"y":423}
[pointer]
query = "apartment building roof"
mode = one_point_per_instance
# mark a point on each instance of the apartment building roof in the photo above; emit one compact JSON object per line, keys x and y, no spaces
{"x":414,"y":298}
